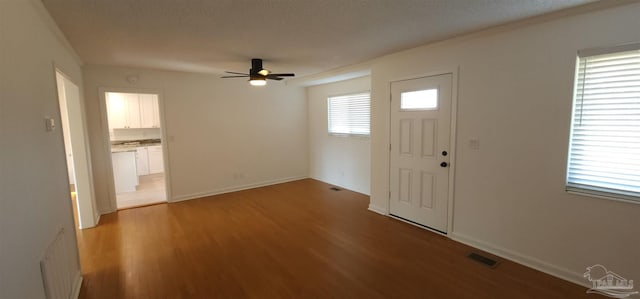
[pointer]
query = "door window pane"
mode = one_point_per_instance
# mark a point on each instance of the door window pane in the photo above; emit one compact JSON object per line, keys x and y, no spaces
{"x":419,"y":100}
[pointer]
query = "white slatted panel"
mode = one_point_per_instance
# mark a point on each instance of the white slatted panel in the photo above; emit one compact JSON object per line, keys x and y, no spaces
{"x":604,"y":155}
{"x":349,"y":114}
{"x":58,"y":267}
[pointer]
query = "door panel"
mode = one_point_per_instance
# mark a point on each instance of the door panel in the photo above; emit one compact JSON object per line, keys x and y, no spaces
{"x":405,"y":185}
{"x":420,"y":140}
{"x":427,"y":186}
{"x":429,"y":133}
{"x":406,"y":136}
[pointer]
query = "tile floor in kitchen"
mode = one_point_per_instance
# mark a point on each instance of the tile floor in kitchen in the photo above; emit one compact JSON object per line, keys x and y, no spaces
{"x":151,"y":190}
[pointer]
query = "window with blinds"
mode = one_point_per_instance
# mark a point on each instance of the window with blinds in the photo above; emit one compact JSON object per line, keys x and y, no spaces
{"x":349,"y":114}
{"x":604,"y":150}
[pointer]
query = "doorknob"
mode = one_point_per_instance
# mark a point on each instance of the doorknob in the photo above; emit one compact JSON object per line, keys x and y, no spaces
{"x":443,"y":164}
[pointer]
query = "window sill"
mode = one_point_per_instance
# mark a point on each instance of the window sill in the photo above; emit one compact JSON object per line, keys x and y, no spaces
{"x":603,"y":195}
{"x":359,"y":136}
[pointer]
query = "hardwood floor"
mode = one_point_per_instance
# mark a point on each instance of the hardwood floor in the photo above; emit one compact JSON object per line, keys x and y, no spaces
{"x":293,"y":240}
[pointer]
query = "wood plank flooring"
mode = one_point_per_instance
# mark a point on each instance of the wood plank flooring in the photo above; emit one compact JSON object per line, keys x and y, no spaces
{"x":292,"y":240}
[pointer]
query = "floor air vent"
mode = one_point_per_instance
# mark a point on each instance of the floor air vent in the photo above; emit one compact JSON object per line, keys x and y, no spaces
{"x":335,"y":189}
{"x":482,"y":259}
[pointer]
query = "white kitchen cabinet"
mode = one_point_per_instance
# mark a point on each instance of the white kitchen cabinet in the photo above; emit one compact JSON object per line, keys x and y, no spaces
{"x":124,"y":171}
{"x":156,"y":164}
{"x":123,"y":110}
{"x":116,"y":111}
{"x":142,"y":161}
{"x":132,"y":111}
{"x":149,"y":111}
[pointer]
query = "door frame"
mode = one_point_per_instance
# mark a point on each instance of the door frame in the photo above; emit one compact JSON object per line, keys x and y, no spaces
{"x":104,"y":115}
{"x":452,"y":146}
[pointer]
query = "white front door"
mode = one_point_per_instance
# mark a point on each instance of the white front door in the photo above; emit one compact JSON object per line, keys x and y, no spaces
{"x":420,"y":150}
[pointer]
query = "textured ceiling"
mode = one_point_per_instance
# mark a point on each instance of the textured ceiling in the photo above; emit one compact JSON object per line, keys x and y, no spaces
{"x":302,"y":36}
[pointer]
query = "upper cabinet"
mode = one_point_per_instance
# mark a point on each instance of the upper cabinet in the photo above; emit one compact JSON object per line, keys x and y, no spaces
{"x":132,"y":111}
{"x":149,"y":111}
{"x":117,"y":111}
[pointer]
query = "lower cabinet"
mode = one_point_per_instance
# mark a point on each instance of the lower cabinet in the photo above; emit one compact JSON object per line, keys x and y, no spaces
{"x":142,"y":160}
{"x":156,"y":164}
{"x":149,"y":160}
{"x":124,"y":171}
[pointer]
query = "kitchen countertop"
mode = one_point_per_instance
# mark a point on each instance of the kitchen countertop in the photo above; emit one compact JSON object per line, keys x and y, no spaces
{"x":132,"y":145}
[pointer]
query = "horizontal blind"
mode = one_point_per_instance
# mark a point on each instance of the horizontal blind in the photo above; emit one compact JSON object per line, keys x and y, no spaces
{"x":349,"y":114}
{"x":604,"y":154}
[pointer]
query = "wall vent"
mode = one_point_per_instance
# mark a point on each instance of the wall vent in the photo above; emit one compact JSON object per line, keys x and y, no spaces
{"x":58,"y":267}
{"x":483,"y":259}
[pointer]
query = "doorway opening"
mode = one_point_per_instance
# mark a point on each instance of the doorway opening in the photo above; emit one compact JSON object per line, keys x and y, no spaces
{"x":136,"y":147}
{"x":76,"y":151}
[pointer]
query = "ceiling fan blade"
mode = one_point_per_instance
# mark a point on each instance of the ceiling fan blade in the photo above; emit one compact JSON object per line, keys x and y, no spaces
{"x":242,"y":76}
{"x":274,"y":78}
{"x":283,"y":75}
{"x":237,"y":73}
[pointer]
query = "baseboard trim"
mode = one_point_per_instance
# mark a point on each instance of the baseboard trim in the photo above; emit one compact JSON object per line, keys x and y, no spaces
{"x":107,"y":211}
{"x":522,"y":259}
{"x":378,"y":210}
{"x":77,"y":285}
{"x":339,"y":185}
{"x":236,"y":188}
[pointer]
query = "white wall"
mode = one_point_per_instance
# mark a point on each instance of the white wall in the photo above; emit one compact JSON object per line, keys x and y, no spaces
{"x":223,"y":134}
{"x":338,"y":160}
{"x":34,"y":192}
{"x":515,"y":94}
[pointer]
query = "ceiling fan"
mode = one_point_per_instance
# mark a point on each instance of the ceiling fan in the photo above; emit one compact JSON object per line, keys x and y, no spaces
{"x":257,"y":75}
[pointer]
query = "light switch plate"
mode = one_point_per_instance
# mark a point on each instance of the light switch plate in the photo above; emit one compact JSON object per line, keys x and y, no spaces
{"x":474,"y":144}
{"x":50,"y":124}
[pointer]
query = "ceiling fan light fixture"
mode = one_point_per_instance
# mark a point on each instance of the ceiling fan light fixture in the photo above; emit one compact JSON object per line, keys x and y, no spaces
{"x":257,"y":75}
{"x":258,"y":81}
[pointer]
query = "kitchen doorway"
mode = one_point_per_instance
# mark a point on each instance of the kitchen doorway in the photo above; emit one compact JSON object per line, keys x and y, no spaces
{"x":73,"y":128}
{"x":136,"y":148}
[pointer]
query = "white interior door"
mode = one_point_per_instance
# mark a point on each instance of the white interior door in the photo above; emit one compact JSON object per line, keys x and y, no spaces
{"x":74,"y":131}
{"x":64,"y":120}
{"x":419,"y":154}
